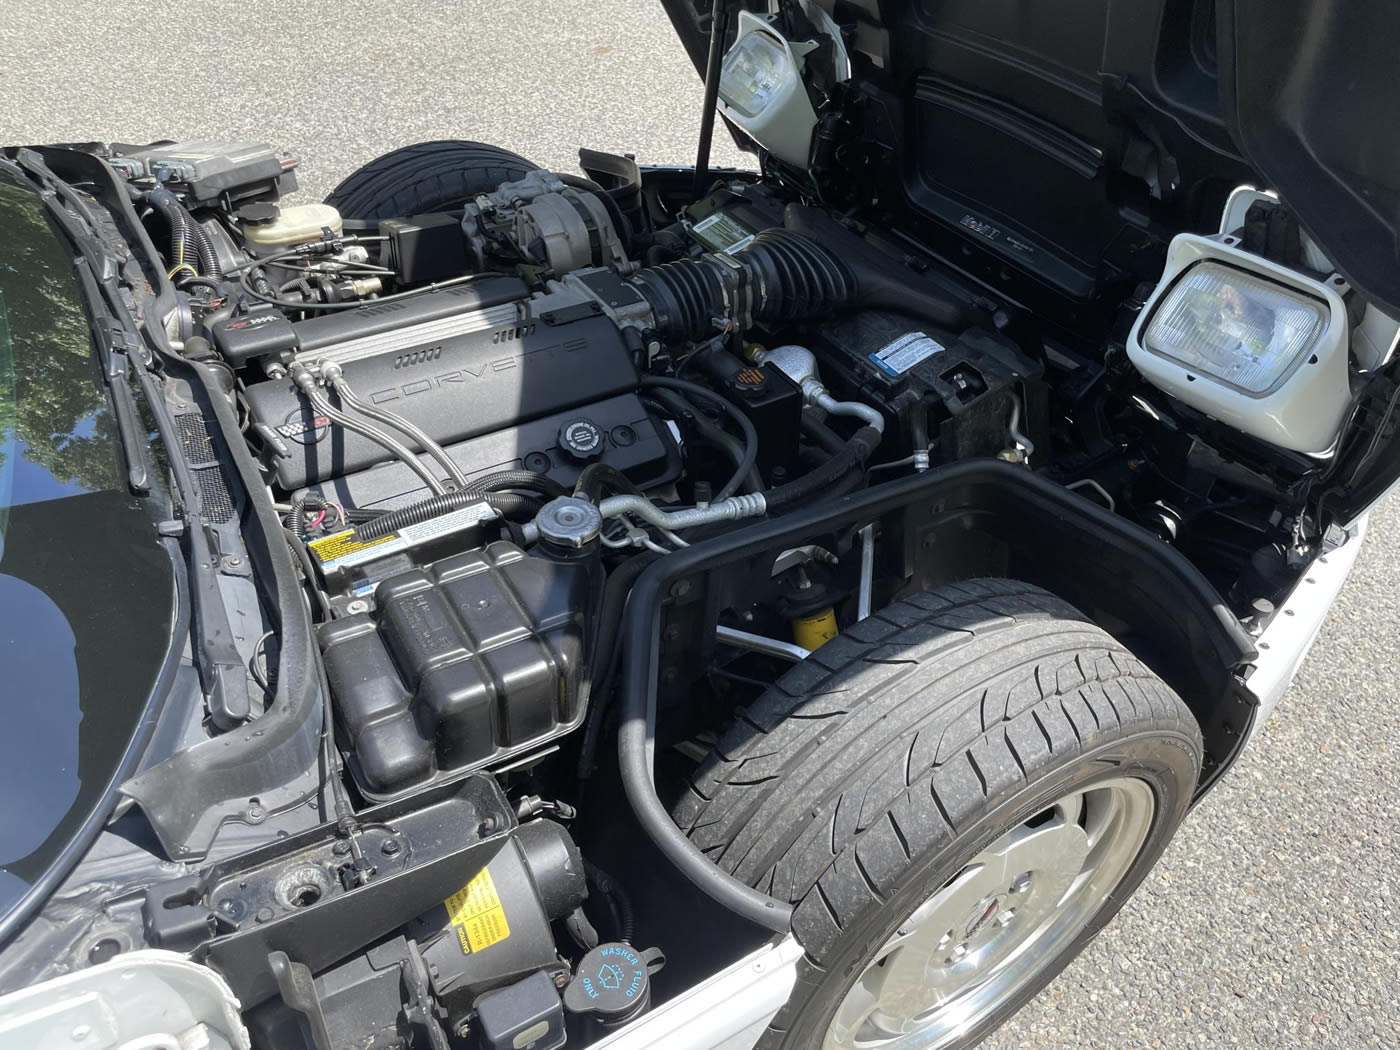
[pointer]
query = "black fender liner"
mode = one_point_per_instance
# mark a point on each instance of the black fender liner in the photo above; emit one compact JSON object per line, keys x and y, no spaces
{"x":976,"y":517}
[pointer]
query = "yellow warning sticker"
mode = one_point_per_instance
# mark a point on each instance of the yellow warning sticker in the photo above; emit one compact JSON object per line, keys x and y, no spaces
{"x":330,"y":548}
{"x":475,"y":910}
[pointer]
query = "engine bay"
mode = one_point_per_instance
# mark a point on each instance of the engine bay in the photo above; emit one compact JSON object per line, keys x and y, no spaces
{"x":480,"y":426}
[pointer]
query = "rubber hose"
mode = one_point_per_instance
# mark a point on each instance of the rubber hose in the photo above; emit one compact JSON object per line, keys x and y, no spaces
{"x":746,"y":426}
{"x":596,"y":477}
{"x":581,"y":930}
{"x":882,"y":282}
{"x":732,"y":446}
{"x":780,"y":276}
{"x":822,"y":435}
{"x":635,"y":765}
{"x":163,"y":201}
{"x":507,"y":504}
{"x":610,"y":888}
{"x":520,"y":479}
{"x":615,"y":591}
{"x":829,"y":475}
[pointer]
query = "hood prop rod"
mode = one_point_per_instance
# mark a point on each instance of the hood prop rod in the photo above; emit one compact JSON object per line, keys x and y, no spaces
{"x":719,"y":28}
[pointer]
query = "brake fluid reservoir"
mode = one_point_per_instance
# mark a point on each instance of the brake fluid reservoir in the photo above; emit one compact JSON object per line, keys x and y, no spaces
{"x":293,"y":225}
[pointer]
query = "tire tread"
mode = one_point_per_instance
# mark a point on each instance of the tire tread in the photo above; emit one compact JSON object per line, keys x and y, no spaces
{"x":898,"y":733}
{"x":424,"y":177}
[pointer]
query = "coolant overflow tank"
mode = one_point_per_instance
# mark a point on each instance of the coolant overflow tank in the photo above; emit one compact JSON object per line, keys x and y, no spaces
{"x":468,"y":661}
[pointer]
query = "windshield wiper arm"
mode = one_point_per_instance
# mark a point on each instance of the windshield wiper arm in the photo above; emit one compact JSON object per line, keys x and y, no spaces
{"x":122,"y":353}
{"x":96,"y":267}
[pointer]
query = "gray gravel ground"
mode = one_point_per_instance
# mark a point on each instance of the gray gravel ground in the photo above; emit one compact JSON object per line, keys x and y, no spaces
{"x":1272,"y":920}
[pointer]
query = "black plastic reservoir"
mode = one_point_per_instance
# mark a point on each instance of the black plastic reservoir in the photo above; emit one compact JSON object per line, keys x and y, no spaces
{"x":466,"y":662}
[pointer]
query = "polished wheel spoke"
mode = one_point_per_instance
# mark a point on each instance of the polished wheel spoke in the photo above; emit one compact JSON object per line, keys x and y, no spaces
{"x":996,"y":923}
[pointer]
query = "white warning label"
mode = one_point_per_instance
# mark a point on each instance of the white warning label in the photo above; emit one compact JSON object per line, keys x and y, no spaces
{"x":904,"y":353}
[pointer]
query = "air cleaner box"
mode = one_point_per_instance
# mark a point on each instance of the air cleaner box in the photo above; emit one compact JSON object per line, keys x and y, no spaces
{"x":963,"y":386}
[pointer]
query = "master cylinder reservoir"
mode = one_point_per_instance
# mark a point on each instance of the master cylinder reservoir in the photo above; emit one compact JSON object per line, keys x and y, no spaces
{"x":267,"y":234}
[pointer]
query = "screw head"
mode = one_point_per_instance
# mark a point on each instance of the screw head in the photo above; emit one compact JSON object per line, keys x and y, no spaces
{"x":357,"y":606}
{"x":1022,"y":883}
{"x":390,"y":848}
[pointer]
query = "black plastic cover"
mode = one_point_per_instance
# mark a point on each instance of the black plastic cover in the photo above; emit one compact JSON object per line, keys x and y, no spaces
{"x":208,"y":168}
{"x":425,"y":248}
{"x":633,"y":442}
{"x":492,"y":931}
{"x":1312,"y":95}
{"x":454,"y":387}
{"x":465,"y":662}
{"x":964,"y":384}
{"x":527,"y":1014}
{"x":244,"y":337}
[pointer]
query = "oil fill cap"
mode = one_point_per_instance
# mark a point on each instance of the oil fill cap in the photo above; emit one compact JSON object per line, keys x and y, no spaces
{"x":613,"y":982}
{"x":581,"y":438}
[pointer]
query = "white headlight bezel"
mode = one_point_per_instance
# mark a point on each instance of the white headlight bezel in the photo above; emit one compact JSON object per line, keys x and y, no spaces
{"x":783,"y":124}
{"x":1304,"y":407}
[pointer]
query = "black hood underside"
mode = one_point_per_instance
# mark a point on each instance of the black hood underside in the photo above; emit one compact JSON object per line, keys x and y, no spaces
{"x":1075,"y":137}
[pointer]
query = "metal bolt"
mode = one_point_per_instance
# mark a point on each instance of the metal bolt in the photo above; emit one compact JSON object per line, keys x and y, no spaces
{"x":81,"y":1032}
{"x":1022,"y":883}
{"x":1004,"y":919}
{"x":341,"y":848}
{"x":680,"y":588}
{"x":263,"y":915}
{"x":357,"y":606}
{"x":560,"y":980}
{"x":960,"y":950}
{"x":390,"y":848}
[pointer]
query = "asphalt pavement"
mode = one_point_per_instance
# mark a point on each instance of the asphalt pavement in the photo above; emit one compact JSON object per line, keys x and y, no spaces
{"x":1271,"y":922}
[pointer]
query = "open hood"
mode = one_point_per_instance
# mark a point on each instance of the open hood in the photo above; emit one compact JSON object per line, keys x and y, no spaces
{"x":1076,"y":137}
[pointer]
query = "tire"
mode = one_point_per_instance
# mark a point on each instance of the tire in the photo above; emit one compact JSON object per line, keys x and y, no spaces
{"x":428,"y":176}
{"x":871,"y":783}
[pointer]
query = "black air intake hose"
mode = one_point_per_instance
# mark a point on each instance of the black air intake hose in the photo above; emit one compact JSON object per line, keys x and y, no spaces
{"x":809,"y":268}
{"x":781,"y":276}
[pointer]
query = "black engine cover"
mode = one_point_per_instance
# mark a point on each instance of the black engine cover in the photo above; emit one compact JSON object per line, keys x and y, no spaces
{"x":459,"y":376}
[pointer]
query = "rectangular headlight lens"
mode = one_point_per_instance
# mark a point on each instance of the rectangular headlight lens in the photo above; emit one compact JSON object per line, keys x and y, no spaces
{"x":1243,"y":330}
{"x":753,"y":71}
